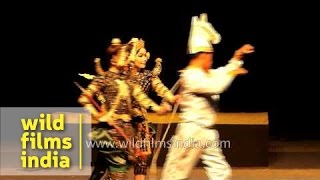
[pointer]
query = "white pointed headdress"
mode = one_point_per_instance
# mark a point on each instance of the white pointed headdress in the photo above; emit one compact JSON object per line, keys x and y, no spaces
{"x":202,"y":35}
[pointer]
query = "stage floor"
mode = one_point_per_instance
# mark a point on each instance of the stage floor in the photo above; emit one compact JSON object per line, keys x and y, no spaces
{"x":199,"y":174}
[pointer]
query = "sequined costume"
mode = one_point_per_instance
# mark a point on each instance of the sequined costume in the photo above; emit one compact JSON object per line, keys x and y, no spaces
{"x":146,"y":79}
{"x":115,"y":95}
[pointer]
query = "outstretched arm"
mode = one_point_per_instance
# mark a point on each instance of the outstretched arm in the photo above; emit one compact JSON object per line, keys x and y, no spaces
{"x":217,"y":80}
{"x":162,"y":90}
{"x":145,"y":102}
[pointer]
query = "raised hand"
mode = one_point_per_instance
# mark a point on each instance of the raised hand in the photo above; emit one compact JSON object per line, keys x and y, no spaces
{"x":245,"y":49}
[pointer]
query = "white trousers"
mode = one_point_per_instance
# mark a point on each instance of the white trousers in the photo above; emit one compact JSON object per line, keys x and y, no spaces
{"x":190,"y":143}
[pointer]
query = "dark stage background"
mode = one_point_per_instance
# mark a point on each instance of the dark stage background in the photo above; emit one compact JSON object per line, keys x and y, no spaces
{"x":49,"y":44}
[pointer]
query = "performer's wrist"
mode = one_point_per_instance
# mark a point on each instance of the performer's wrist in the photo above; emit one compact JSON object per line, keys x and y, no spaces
{"x":236,"y":61}
{"x":237,"y":55}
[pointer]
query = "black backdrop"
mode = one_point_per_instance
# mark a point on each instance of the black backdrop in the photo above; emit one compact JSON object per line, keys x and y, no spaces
{"x":49,"y":44}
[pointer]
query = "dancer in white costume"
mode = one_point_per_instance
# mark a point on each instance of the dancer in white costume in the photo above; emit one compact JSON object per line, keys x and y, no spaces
{"x":199,"y":84}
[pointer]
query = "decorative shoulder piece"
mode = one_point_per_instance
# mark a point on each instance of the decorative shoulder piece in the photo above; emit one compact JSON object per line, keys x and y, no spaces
{"x":115,"y":41}
{"x":157,"y":67}
{"x":98,"y":67}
